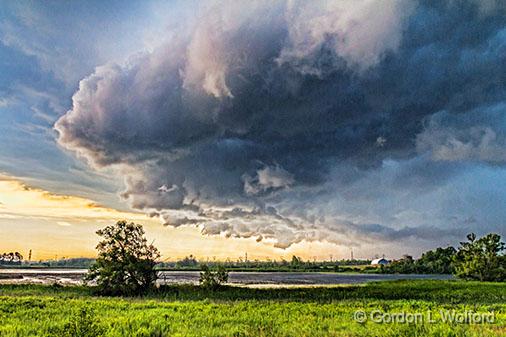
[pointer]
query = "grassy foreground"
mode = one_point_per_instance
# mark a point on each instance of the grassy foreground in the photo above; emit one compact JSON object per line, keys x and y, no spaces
{"x":29,"y":310}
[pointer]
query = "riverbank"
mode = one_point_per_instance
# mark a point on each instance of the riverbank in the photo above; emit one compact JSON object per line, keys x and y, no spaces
{"x":187,"y":310}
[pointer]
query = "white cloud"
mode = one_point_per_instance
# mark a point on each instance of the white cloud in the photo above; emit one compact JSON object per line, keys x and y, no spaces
{"x":63,"y":224}
{"x":269,"y":177}
{"x":359,"y":31}
{"x":4,"y":102}
{"x":478,"y":135}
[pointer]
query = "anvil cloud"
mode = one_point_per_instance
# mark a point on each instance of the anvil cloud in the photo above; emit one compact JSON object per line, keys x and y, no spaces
{"x":350,"y":121}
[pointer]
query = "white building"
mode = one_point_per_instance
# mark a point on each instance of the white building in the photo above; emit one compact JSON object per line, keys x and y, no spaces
{"x":381,"y":261}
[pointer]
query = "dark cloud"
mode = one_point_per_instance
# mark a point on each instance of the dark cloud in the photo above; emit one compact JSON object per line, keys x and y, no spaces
{"x":281,"y":121}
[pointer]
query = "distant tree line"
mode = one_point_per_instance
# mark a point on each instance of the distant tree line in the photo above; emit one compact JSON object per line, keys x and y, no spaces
{"x":17,"y":259}
{"x":476,"y":259}
{"x":296,"y":263}
{"x":12,"y":258}
{"x":437,"y":261}
{"x":78,"y":262}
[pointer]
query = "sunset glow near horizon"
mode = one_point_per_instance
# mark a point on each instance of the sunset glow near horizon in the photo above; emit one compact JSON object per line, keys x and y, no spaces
{"x":267,"y":128}
{"x":62,"y":226}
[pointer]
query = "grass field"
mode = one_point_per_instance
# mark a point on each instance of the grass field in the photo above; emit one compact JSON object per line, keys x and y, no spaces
{"x":29,"y":310}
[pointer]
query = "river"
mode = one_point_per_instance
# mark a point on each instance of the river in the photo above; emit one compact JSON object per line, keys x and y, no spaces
{"x":75,"y":276}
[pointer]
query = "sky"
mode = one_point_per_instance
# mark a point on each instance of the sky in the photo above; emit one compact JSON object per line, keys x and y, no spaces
{"x":272,"y":128}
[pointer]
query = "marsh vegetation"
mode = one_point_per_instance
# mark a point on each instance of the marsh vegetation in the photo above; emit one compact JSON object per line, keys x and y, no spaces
{"x":187,"y":310}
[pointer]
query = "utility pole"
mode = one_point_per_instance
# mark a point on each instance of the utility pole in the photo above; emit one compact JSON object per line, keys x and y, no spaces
{"x":30,"y":255}
{"x":351,"y":253}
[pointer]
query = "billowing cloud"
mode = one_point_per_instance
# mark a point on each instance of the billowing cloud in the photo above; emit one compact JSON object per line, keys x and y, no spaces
{"x":356,"y":33}
{"x":346,"y":121}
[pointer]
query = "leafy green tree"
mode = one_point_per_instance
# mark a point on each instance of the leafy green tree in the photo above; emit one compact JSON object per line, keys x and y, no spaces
{"x":405,"y":265}
{"x":437,"y":261}
{"x":481,"y":259}
{"x":212,"y":280}
{"x":125,"y":263}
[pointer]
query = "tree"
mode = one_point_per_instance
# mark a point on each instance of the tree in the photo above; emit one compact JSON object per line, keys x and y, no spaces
{"x":125,"y":263}
{"x":405,"y":265}
{"x":296,"y":261}
{"x":212,"y":279}
{"x":437,"y":261}
{"x":481,"y":259}
{"x":188,"y":261}
{"x":18,"y":256}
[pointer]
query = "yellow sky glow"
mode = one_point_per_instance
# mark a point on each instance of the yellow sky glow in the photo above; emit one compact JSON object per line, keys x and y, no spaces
{"x":56,"y":226}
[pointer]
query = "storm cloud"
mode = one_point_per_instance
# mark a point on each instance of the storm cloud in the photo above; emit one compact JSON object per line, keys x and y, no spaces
{"x":347,"y":121}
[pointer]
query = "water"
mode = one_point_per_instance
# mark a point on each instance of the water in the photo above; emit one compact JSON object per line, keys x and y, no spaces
{"x":75,"y":276}
{"x":42,"y":276}
{"x":31,"y":271}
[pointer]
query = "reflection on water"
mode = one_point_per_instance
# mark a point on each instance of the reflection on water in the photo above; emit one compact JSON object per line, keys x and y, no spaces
{"x":75,"y":276}
{"x":42,"y":271}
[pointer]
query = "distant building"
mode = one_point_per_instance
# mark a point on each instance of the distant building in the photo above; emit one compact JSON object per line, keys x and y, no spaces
{"x":377,"y":262}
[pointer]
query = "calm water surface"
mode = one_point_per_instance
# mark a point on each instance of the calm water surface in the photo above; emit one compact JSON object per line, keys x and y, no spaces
{"x":74,"y":276}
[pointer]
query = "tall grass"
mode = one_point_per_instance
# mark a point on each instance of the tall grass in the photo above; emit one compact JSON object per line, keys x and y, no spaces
{"x":232,"y":311}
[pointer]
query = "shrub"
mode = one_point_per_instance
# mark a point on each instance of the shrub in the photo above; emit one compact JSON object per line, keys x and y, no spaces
{"x":213,"y":279}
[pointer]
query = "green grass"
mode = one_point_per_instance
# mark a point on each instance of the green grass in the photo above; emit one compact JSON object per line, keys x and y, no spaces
{"x":190,"y":311}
